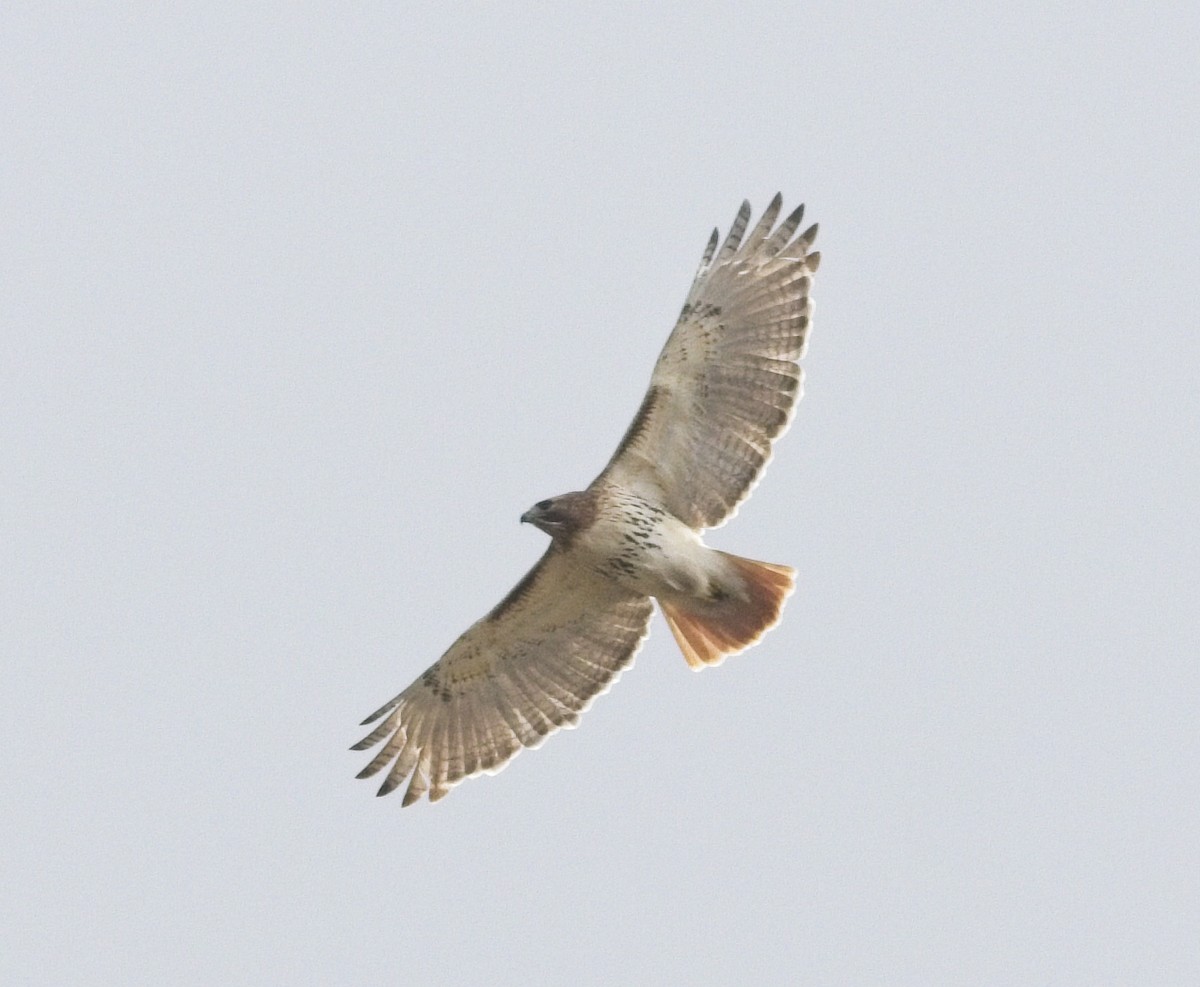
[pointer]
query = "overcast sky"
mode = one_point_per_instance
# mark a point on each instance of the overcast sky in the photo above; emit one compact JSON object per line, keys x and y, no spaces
{"x":303,"y":305}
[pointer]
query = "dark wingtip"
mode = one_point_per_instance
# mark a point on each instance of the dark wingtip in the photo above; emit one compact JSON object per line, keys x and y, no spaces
{"x":385,"y":708}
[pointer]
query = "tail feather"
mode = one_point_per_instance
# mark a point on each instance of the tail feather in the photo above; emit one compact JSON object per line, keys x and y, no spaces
{"x":707,"y":631}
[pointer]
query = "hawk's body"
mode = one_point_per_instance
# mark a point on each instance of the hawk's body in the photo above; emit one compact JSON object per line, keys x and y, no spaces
{"x":723,"y":389}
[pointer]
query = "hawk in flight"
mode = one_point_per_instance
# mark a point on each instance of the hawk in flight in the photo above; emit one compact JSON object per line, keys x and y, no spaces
{"x":722,"y":391}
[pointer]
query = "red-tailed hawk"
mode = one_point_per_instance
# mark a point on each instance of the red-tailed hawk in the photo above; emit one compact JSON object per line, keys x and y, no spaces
{"x":722,"y":391}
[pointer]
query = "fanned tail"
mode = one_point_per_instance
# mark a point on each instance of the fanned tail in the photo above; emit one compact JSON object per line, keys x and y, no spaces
{"x":707,"y":631}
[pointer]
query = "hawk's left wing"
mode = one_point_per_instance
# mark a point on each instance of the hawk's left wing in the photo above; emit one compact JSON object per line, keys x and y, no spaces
{"x":728,"y":378}
{"x":532,"y":665}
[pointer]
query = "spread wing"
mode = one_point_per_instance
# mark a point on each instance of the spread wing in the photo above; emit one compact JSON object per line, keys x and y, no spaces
{"x":729,"y":377}
{"x":532,"y":665}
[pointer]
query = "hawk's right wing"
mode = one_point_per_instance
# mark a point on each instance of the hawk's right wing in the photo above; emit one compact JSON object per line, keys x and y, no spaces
{"x":561,"y":636}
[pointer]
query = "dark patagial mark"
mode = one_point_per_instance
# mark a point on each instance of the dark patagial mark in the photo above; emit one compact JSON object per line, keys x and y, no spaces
{"x":638,"y":425}
{"x":518,"y":592}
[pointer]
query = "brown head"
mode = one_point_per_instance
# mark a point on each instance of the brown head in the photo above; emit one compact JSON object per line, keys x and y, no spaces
{"x":561,"y":517}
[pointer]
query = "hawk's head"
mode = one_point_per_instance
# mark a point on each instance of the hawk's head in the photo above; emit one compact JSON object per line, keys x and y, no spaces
{"x":562,"y":516}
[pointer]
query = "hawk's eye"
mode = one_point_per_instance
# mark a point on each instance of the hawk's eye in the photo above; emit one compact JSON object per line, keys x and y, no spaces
{"x":542,"y":505}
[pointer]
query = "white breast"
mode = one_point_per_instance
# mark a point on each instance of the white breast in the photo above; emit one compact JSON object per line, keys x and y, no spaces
{"x":648,"y":550}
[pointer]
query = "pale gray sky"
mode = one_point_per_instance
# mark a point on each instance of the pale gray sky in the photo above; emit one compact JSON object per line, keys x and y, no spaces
{"x":304,"y":305}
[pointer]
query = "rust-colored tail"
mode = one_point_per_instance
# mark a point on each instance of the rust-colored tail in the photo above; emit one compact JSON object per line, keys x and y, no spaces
{"x":709,"y":630}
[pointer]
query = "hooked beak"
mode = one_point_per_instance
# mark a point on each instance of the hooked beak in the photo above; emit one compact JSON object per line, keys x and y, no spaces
{"x":527,"y":517}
